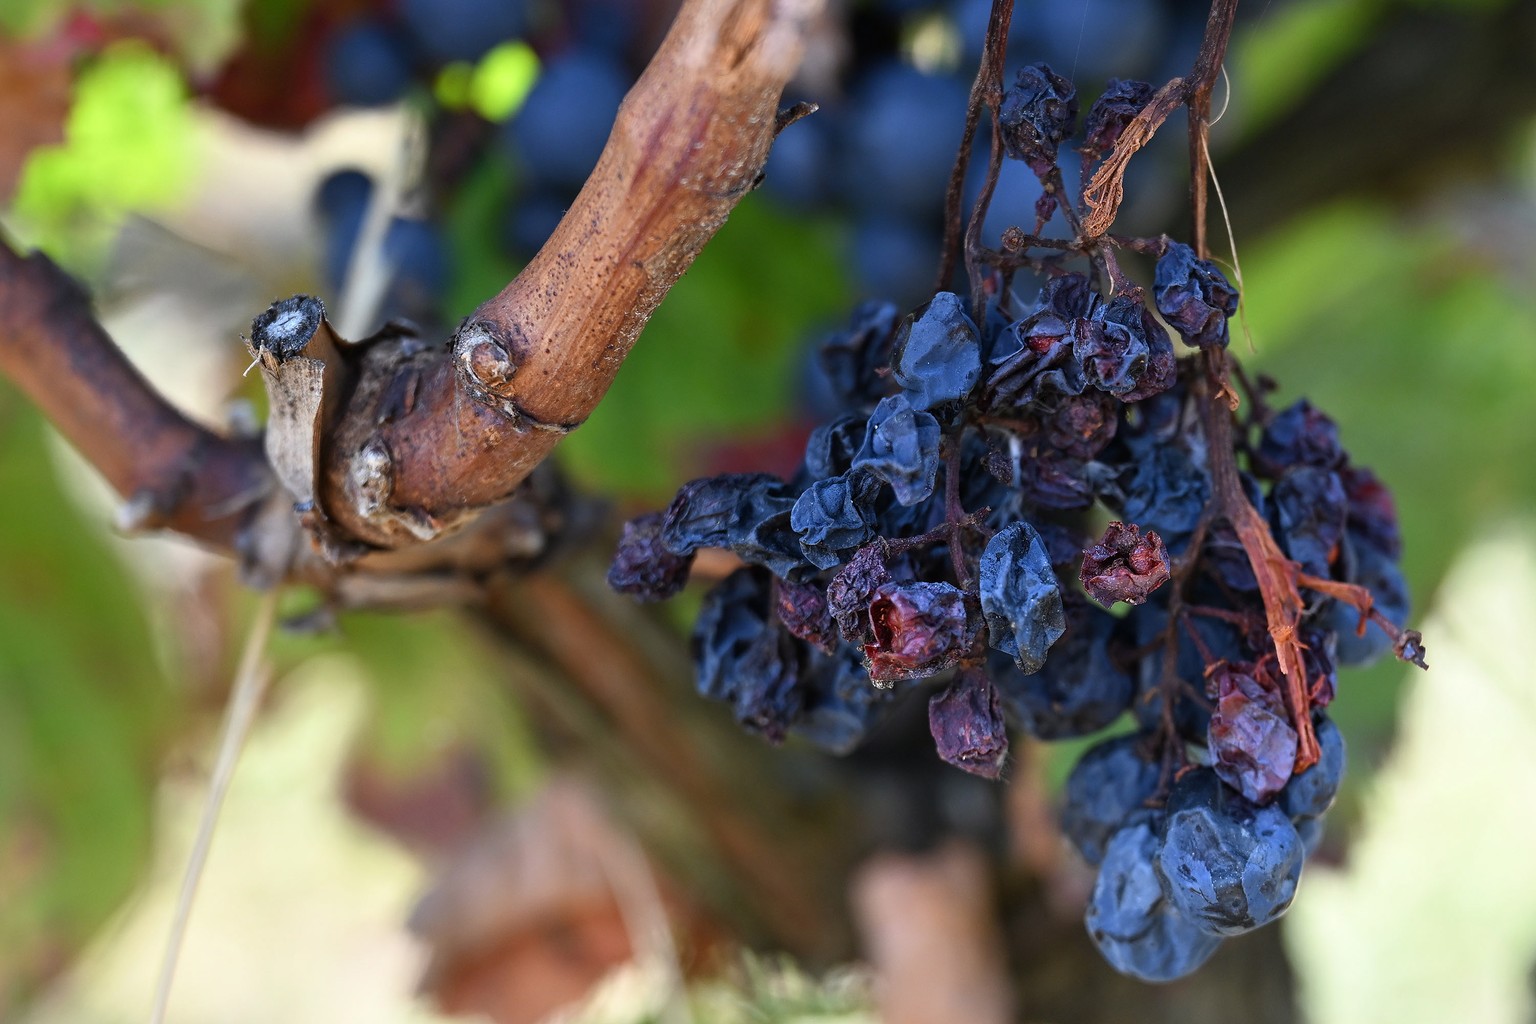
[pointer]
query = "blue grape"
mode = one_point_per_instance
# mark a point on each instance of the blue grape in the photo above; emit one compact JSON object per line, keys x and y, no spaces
{"x":1129,"y":919}
{"x":415,"y":252}
{"x":1125,"y":351}
{"x":367,"y":64}
{"x":833,"y":446}
{"x":1311,"y":832}
{"x":563,"y":125}
{"x":1034,"y":359}
{"x":832,"y":517}
{"x":731,"y":616}
{"x":747,"y":513}
{"x":916,"y":630}
{"x":901,"y":447}
{"x":1038,"y":111}
{"x":1251,"y":741}
{"x":1310,"y":794}
{"x":450,"y":30}
{"x":741,"y":658}
{"x":1309,"y":510}
{"x":936,"y":358}
{"x":966,"y":721}
{"x":642,"y":566}
{"x":1020,"y":596}
{"x":1119,"y":103}
{"x":1109,"y":789}
{"x":1191,"y":713}
{"x":842,"y":705}
{"x":1167,"y":493}
{"x":1377,"y":571}
{"x":1299,"y":435}
{"x":1079,"y":690}
{"x":852,"y":360}
{"x":1194,"y":296}
{"x":1226,"y":864}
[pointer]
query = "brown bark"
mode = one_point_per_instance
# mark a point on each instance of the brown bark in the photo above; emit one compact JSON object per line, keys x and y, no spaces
{"x":531,"y":363}
{"x":175,"y":474}
{"x":417,"y":440}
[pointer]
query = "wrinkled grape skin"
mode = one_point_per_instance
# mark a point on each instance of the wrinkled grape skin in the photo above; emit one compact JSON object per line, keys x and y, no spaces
{"x":1119,"y":103}
{"x":937,"y":359}
{"x":1134,"y":926}
{"x":1020,"y":596}
{"x":1228,"y":866}
{"x":1125,"y":565}
{"x":1195,"y":297}
{"x":642,"y":566}
{"x":915,"y":630}
{"x":1037,"y":112}
{"x":1251,"y":742}
{"x":901,"y":448}
{"x":833,"y":516}
{"x":871,"y":578}
{"x":966,"y":721}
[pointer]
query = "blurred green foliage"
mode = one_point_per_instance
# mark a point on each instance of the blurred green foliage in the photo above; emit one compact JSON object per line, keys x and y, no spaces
{"x":438,"y":687}
{"x":128,"y":148}
{"x":202,"y":32}
{"x":495,"y":87}
{"x":85,"y":713}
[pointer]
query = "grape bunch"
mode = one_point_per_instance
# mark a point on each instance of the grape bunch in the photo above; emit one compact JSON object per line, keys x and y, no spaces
{"x":1018,"y":511}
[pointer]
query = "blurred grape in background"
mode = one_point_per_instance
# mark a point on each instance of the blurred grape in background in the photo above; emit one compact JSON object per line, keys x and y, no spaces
{"x":193,"y":159}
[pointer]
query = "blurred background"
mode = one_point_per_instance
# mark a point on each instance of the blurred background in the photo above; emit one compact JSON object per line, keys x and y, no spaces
{"x":192,"y":160}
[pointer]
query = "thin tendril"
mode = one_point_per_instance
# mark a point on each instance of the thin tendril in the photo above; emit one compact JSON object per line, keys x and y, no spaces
{"x":1226,"y":99}
{"x":250,"y":685}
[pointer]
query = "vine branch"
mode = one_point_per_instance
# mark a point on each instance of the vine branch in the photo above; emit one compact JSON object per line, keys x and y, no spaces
{"x":173,"y":473}
{"x":405,"y":442}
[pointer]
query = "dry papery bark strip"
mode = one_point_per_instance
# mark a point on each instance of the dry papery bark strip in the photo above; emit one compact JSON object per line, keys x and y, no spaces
{"x":406,"y":442}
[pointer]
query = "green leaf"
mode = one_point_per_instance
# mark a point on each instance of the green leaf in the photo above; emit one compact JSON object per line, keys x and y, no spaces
{"x":128,"y":147}
{"x":1292,"y":49}
{"x":84,"y":712}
